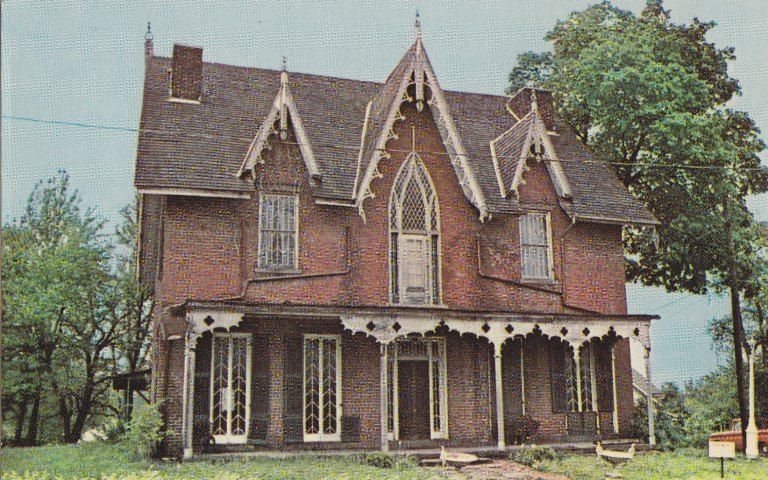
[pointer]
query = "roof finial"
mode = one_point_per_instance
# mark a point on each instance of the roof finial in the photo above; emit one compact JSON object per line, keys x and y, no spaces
{"x":534,"y":100}
{"x":284,"y":71}
{"x":417,"y":27}
{"x":149,"y":47}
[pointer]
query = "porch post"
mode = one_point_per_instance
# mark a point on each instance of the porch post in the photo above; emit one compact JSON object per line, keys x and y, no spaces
{"x":383,"y":403}
{"x":499,"y":396}
{"x":615,"y":389}
{"x":577,"y":362}
{"x":188,"y":389}
{"x":651,"y":426}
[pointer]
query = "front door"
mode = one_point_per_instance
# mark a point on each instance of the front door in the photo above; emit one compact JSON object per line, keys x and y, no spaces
{"x":413,"y":385}
{"x":230,"y":387}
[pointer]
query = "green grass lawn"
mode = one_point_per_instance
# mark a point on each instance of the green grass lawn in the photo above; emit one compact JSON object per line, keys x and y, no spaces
{"x":110,"y":462}
{"x":683,"y":464}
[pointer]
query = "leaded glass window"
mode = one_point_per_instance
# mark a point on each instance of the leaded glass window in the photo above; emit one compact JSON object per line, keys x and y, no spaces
{"x":230,"y":387}
{"x":414,"y":236}
{"x":278,"y":232}
{"x":322,"y":388}
{"x":535,"y":248}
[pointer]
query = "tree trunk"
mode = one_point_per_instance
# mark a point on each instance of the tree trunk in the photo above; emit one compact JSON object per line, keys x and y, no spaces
{"x":34,"y":420}
{"x":20,"y":417}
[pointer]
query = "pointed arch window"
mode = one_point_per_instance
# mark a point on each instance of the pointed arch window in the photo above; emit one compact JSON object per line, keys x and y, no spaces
{"x":414,"y":226}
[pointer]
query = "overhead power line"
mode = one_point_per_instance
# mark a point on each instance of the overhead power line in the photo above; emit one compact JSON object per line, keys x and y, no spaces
{"x":356,"y":148}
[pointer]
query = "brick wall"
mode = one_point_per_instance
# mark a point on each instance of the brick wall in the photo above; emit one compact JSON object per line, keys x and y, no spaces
{"x":210,"y":246}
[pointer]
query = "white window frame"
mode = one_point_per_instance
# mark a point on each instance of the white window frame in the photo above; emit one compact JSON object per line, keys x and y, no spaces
{"x":320,"y":436}
{"x":442,"y":433}
{"x":259,"y":261}
{"x":230,"y":438}
{"x":409,"y":167}
{"x":426,"y":240}
{"x":550,"y":260}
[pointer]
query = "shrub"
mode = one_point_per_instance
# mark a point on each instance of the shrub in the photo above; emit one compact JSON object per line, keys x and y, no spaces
{"x":145,"y":431}
{"x":532,"y":455}
{"x":114,"y":431}
{"x":385,"y":460}
{"x":522,"y":429}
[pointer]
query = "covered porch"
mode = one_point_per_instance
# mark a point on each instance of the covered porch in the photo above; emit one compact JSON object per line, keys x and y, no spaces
{"x":298,"y":378}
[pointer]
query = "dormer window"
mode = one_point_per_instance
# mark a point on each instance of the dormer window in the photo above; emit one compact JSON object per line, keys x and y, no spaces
{"x":536,"y":247}
{"x":278,"y":232}
{"x":414,"y":226}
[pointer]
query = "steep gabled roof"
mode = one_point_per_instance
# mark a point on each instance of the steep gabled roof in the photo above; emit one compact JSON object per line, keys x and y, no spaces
{"x":283,"y":109}
{"x":202,"y":147}
{"x":527,"y":139}
{"x":413,"y":69}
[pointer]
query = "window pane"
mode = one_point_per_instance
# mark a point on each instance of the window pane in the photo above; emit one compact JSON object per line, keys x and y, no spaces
{"x":277,"y":227}
{"x":329,"y":385}
{"x":312,"y":385}
{"x":534,"y":246}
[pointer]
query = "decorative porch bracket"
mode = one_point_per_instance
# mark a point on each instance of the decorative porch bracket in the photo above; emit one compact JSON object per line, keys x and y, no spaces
{"x":387,"y":328}
{"x":199,"y":322}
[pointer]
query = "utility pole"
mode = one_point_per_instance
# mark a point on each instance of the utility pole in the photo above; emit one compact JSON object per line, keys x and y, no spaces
{"x":738,"y":326}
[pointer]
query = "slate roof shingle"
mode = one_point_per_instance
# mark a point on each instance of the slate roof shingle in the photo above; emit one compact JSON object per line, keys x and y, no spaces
{"x":202,"y":146}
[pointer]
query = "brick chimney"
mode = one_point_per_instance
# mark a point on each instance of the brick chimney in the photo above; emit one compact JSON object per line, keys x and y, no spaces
{"x":187,"y":73}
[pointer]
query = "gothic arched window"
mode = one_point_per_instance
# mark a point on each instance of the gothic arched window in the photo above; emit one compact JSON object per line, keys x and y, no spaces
{"x":414,"y":226}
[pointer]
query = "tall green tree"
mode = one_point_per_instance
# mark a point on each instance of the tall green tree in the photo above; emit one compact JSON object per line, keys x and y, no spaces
{"x":648,"y":96}
{"x":132,"y":344}
{"x":59,"y":310}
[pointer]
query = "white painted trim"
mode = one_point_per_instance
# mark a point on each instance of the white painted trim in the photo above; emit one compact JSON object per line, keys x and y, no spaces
{"x":614,"y":389}
{"x":497,"y":170}
{"x":187,"y":101}
{"x":321,"y":437}
{"x":536,"y":131}
{"x":284,"y":100}
{"x":362,"y":146}
{"x":333,"y":203}
{"x":229,"y":437}
{"x":413,"y":157}
{"x":442,"y":362}
{"x":191,"y":192}
{"x":445,"y":124}
{"x":522,"y":375}
{"x":550,"y":258}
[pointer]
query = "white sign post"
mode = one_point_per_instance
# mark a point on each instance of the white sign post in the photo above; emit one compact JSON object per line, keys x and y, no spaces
{"x":722,"y":450}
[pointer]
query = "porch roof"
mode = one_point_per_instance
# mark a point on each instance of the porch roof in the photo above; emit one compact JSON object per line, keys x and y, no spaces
{"x":387,"y":323}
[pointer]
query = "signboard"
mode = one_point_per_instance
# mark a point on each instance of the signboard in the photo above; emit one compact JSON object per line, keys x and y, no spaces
{"x":722,"y":449}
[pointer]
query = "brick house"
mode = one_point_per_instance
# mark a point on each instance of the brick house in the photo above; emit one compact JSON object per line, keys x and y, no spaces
{"x":344,"y":264}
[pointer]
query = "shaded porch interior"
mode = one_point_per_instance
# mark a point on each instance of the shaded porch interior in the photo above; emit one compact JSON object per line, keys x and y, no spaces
{"x":251,"y":390}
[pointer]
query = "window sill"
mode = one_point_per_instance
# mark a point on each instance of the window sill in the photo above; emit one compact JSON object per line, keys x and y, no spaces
{"x":540,"y":281}
{"x":278,"y":272}
{"x":310,"y":438}
{"x":418,"y":305}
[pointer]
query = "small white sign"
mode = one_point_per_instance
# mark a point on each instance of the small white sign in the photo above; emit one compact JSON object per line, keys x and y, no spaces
{"x":722,"y":449}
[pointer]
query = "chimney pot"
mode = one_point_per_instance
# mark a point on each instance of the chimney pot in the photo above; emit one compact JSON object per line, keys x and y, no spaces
{"x":187,"y":72}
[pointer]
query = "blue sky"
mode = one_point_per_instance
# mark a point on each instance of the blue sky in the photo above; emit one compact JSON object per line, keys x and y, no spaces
{"x":82,"y":61}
